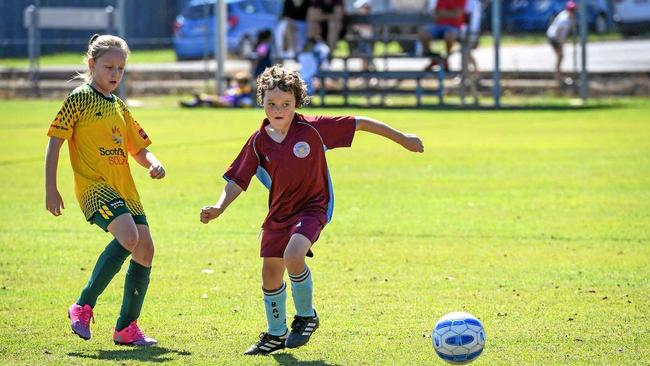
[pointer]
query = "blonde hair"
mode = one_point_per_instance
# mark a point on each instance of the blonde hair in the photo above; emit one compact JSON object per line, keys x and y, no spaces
{"x":287,"y":80}
{"x":98,"y":45}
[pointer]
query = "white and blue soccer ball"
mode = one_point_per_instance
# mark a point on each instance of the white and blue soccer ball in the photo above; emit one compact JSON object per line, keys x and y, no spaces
{"x":458,"y":338}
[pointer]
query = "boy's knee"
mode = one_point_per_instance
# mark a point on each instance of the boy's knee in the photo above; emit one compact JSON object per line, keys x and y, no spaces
{"x":294,"y":261}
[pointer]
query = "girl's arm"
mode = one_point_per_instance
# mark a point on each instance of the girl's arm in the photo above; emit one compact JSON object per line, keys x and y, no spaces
{"x":53,"y":200}
{"x":148,"y":160}
{"x":230,"y":192}
{"x":408,"y":140}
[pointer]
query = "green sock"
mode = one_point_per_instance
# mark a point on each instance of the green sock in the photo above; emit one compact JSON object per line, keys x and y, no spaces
{"x":135,"y":288}
{"x":108,"y":264}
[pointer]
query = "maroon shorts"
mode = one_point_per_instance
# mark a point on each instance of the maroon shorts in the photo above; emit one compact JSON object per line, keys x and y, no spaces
{"x":274,"y":242}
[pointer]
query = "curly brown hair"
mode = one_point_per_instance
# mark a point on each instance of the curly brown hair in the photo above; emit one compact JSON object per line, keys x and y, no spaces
{"x":288,"y":80}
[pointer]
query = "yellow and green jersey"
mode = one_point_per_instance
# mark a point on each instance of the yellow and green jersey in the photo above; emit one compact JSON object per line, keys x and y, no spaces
{"x":100,"y":133}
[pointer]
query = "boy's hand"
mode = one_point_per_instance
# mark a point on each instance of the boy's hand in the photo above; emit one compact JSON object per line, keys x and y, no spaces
{"x":412,"y":143}
{"x":54,"y":202}
{"x":156,"y":171}
{"x":209,"y":213}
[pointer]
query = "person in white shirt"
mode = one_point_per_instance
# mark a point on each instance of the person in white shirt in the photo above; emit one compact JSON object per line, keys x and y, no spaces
{"x":472,"y":29}
{"x":558,"y":31}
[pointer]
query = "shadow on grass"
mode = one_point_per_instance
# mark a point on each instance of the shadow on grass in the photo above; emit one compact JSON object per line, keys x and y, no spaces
{"x":289,"y":359}
{"x":148,"y":354}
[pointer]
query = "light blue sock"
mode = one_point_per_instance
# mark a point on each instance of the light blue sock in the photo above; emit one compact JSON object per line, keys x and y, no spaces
{"x":301,"y":290}
{"x":275,"y":303}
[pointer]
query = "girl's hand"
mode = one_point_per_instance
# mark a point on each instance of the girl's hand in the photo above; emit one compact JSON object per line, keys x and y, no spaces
{"x":209,"y":213}
{"x":156,"y":171}
{"x":412,"y":143}
{"x":54,"y":202}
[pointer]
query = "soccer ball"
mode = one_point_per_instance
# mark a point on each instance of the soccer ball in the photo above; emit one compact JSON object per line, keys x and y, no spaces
{"x":458,"y":338}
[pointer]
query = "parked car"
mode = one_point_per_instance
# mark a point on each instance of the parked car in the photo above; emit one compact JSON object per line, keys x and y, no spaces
{"x":194,"y":27}
{"x":632,"y":16}
{"x":537,"y":15}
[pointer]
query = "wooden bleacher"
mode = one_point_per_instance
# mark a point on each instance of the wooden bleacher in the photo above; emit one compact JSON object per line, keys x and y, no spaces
{"x":381,"y":24}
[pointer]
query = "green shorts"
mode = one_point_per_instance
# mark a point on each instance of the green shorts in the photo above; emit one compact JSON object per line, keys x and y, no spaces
{"x":112,"y":209}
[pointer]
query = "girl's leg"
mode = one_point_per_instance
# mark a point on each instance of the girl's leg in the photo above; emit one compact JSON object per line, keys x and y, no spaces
{"x":137,"y":278}
{"x":300,"y":275}
{"x":111,"y":259}
{"x":275,"y":295}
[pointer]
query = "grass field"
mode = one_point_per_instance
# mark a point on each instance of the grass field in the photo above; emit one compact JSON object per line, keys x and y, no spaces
{"x":537,"y":222}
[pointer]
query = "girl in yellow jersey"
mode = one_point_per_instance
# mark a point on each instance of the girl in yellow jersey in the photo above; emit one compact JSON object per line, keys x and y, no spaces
{"x":101,"y":133}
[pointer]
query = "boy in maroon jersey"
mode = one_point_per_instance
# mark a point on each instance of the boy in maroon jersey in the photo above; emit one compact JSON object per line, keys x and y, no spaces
{"x":287,"y":154}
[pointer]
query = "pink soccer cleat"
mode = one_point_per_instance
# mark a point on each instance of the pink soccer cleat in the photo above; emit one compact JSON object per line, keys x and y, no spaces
{"x":133,"y":336}
{"x":80,"y":317}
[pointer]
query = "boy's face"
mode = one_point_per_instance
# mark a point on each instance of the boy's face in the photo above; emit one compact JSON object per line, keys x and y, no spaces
{"x":108,"y":70}
{"x":279,"y":107}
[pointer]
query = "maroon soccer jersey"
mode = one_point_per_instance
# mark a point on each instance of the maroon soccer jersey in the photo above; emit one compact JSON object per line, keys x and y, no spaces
{"x":294,"y":170}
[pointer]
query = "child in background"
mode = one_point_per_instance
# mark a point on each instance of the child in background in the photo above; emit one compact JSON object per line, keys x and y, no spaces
{"x":237,"y":96}
{"x":287,"y":153}
{"x":312,"y":59}
{"x":557,"y":34}
{"x":263,"y":52}
{"x":100,"y":132}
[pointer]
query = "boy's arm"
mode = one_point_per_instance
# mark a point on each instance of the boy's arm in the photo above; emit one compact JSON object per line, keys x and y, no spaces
{"x":230,"y":192}
{"x":408,"y":140}
{"x":53,"y":200}
{"x":148,"y":160}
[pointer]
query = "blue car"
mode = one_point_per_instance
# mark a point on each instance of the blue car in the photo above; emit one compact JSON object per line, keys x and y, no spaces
{"x":194,"y":27}
{"x":537,"y":15}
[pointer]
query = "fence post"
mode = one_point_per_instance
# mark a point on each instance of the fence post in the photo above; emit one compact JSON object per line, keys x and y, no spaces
{"x":33,"y":46}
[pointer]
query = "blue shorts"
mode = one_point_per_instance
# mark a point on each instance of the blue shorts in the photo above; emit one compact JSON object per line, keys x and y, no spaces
{"x":438,"y":31}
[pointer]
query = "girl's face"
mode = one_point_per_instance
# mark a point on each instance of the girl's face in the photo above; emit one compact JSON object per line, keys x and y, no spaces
{"x":279,"y":106}
{"x":108,"y":70}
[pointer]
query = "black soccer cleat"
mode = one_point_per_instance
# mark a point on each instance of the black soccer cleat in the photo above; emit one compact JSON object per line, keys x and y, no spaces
{"x":301,"y":329}
{"x":268,"y":343}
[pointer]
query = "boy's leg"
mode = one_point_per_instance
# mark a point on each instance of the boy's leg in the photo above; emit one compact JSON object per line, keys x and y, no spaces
{"x":275,"y":300}
{"x":135,"y":289}
{"x":306,"y":321}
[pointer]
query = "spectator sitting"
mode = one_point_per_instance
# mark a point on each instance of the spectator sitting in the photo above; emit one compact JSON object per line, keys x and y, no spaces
{"x":237,"y":96}
{"x":557,"y":33}
{"x":291,"y":31}
{"x":325,"y":20}
{"x":447,"y":19}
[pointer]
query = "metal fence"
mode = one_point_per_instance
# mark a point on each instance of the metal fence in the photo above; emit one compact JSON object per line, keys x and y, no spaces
{"x":148,"y":25}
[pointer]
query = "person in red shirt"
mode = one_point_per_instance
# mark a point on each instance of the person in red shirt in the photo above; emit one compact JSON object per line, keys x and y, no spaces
{"x":287,"y":154}
{"x":448,"y":16}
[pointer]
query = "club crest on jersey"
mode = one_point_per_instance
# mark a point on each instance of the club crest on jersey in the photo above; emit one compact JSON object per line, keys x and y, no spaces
{"x":117,"y":136}
{"x":301,"y":149}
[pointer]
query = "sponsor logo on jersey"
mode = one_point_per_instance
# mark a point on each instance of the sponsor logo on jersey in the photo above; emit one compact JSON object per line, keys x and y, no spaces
{"x":143,"y":134}
{"x":117,"y":151}
{"x":116,"y":156}
{"x":301,"y":149}
{"x":116,"y":135}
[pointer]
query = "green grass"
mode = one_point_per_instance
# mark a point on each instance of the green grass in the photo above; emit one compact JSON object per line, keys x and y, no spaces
{"x":76,"y":58}
{"x":535,"y":221}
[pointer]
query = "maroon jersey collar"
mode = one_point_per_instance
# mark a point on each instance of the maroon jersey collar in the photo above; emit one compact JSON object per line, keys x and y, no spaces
{"x":266,"y":122}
